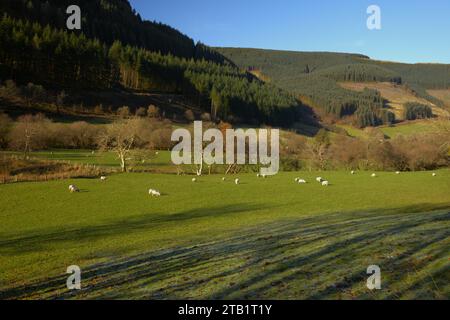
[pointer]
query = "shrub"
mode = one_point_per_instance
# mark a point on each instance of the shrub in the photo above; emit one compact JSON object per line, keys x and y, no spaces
{"x":141,"y":112}
{"x":34,"y":93}
{"x":205,"y":117}
{"x":189,"y":115}
{"x":9,"y":90}
{"x":98,"y":109}
{"x":153,"y":111}
{"x":123,"y":112}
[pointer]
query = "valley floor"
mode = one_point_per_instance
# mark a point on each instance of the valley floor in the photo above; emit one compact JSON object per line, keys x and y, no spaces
{"x":264,"y":238}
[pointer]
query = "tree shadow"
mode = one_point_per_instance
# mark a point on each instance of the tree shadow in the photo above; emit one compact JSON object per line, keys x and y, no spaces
{"x":11,"y":245}
{"x":315,"y":257}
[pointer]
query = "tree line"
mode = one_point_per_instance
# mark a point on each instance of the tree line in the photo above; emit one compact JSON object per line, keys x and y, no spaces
{"x":415,"y":110}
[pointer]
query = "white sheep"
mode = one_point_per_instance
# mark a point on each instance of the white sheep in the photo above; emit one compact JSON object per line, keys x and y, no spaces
{"x":374,"y":175}
{"x":397,"y":172}
{"x":319,"y":179}
{"x":301,"y":181}
{"x":325,"y":183}
{"x":154,"y":193}
{"x":258,"y":175}
{"x":223,"y":178}
{"x":194,"y":179}
{"x":264,"y":176}
{"x":353,"y":172}
{"x":73,"y":188}
{"x":103,"y":178}
{"x":296,"y":179}
{"x":236,"y":181}
{"x":434,"y":174}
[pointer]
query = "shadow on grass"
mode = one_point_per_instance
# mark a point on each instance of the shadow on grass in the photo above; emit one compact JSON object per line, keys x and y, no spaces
{"x":316,"y":257}
{"x":37,"y":242}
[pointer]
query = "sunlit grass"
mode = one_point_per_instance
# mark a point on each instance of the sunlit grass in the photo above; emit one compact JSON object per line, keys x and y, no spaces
{"x":264,"y":238}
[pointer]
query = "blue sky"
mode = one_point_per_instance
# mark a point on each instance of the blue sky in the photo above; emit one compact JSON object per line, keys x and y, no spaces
{"x":412,"y":31}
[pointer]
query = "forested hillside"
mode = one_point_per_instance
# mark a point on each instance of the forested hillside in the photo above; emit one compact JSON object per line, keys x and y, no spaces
{"x":315,"y":75}
{"x":150,"y":57}
{"x":109,"y":21}
{"x":116,"y":49}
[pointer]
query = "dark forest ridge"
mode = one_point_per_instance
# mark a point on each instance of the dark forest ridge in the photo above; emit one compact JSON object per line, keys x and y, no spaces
{"x":325,"y":52}
{"x":118,"y":50}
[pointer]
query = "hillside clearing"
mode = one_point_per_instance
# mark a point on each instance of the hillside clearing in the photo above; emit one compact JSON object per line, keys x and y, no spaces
{"x":404,"y":128}
{"x":396,"y":95}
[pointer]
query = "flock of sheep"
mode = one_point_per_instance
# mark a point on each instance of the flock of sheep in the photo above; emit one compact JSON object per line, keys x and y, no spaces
{"x":73,"y":188}
{"x":156,"y":193}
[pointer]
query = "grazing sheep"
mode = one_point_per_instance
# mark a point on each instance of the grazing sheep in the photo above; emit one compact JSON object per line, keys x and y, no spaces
{"x":73,"y":188}
{"x":374,"y":175}
{"x":319,"y":179}
{"x":154,"y":193}
{"x":258,"y":175}
{"x":325,"y":183}
{"x":301,"y":181}
{"x":264,"y":176}
{"x":397,"y":172}
{"x":223,"y":178}
{"x":434,"y":174}
{"x":353,"y":172}
{"x":236,"y":181}
{"x":296,"y":179}
{"x":194,"y":179}
{"x":103,"y":178}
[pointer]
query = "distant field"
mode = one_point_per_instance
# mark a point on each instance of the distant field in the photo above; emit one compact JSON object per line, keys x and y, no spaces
{"x":395,"y":94}
{"x":264,"y":238}
{"x":105,"y":159}
{"x":407,"y":128}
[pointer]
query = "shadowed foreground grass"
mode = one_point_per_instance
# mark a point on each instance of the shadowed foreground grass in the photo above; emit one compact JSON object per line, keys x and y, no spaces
{"x":266,"y":238}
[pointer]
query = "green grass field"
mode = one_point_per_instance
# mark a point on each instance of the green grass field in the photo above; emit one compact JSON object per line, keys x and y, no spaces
{"x":264,"y":238}
{"x":102,"y":159}
{"x":405,"y":129}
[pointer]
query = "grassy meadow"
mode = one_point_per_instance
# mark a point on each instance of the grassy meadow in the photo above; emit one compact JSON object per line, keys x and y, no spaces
{"x":263,"y":238}
{"x":406,"y":128}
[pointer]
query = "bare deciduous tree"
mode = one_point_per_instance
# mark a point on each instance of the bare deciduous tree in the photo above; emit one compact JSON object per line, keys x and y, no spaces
{"x":317,"y":149}
{"x":30,"y":133}
{"x":121,"y":137}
